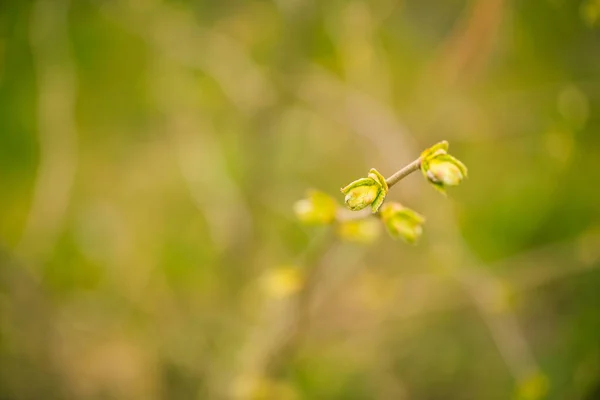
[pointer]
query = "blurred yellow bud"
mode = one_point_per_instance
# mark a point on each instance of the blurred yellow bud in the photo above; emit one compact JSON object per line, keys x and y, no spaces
{"x":502,"y":297}
{"x":370,"y":191}
{"x":261,"y":388}
{"x":440,"y":168}
{"x":402,"y":222}
{"x":317,"y":208}
{"x":282,"y":282}
{"x":590,"y":11}
{"x":534,"y":387}
{"x":363,"y":231}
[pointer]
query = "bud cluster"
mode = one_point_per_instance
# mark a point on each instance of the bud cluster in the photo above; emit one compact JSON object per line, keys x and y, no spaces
{"x":438,"y":167}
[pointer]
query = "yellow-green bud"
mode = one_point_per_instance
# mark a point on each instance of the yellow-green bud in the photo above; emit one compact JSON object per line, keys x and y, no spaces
{"x":440,"y":168}
{"x":445,"y":170}
{"x":533,"y":387}
{"x":361,"y":196}
{"x":402,"y":222}
{"x":370,"y":191}
{"x":317,"y":208}
{"x":282,"y":282}
{"x":363,"y":231}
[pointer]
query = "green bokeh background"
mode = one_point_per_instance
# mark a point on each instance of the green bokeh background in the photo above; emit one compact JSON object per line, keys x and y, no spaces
{"x":151,"y":153}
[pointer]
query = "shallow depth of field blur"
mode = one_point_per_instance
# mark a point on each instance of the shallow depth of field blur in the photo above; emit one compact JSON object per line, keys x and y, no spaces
{"x":151,"y":153}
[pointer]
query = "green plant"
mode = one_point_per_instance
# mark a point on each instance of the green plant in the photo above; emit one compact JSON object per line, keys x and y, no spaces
{"x":366,"y":197}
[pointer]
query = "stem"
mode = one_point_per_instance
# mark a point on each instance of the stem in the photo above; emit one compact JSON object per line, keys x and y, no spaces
{"x":404,"y":172}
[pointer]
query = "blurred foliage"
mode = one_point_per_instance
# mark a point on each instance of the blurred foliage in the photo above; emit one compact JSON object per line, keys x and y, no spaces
{"x":151,"y":152}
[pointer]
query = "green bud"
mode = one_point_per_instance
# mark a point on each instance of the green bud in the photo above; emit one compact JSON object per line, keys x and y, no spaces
{"x":440,"y":168}
{"x":361,"y":196}
{"x":362,"y":231}
{"x":366,"y":191}
{"x":402,"y":222}
{"x":317,"y":208}
{"x":446,"y":170}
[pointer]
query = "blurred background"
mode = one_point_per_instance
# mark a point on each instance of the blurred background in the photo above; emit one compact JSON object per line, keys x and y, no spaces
{"x":151,"y":153}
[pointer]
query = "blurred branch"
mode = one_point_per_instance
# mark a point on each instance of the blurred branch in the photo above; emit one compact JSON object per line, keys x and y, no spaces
{"x":174,"y":33}
{"x":201,"y":160}
{"x":503,"y":326}
{"x":178,"y":37}
{"x":470,"y":43}
{"x":287,"y":321}
{"x":284,"y":321}
{"x":487,"y":293}
{"x":371,"y":119}
{"x":547,"y":264}
{"x":527,"y":274}
{"x":56,"y":126}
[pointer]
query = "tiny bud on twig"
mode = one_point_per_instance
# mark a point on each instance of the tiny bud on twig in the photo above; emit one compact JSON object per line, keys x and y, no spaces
{"x":402,"y":222}
{"x":370,"y":191}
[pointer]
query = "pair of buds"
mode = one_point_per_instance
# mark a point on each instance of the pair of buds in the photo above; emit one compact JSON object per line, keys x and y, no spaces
{"x":438,"y":167}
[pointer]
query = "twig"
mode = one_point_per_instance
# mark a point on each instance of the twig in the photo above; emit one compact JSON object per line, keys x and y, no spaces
{"x":286,"y":320}
{"x":404,"y":172}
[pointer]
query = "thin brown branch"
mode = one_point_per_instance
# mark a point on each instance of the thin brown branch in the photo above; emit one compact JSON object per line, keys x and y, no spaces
{"x":404,"y":172}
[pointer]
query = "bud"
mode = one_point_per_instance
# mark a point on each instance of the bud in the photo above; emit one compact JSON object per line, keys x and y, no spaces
{"x":282,"y":282}
{"x":317,"y":208}
{"x":534,"y":387}
{"x":252,"y":386}
{"x":366,"y":191}
{"x":402,"y":222}
{"x":362,"y":231}
{"x":440,"y":168}
{"x":446,"y":170}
